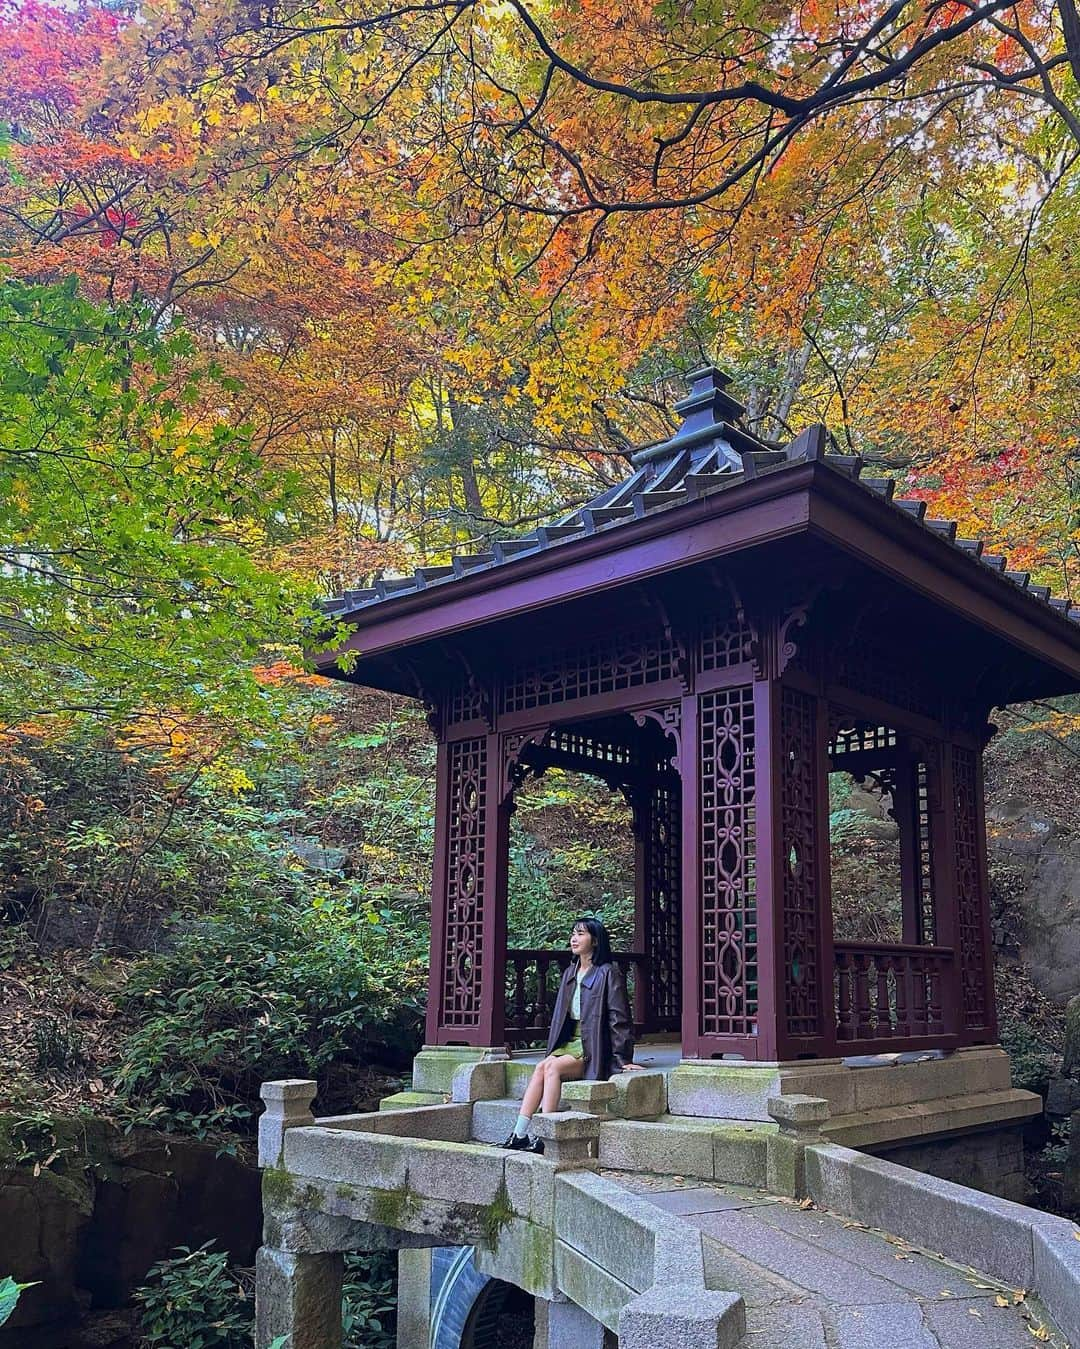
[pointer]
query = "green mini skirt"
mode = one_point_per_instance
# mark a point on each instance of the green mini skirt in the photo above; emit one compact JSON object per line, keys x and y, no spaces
{"x":573,"y":1047}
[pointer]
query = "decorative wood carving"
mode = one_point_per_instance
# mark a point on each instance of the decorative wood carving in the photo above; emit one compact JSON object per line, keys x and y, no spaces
{"x":669,"y":718}
{"x":464,"y":947}
{"x":729,"y":951}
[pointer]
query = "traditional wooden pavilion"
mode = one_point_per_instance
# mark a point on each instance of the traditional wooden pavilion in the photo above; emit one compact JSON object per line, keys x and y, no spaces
{"x":714,"y":635}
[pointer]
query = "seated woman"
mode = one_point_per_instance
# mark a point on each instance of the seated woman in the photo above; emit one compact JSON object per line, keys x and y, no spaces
{"x":592,"y":1031}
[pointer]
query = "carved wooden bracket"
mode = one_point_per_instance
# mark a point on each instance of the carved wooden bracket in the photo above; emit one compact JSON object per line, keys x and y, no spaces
{"x":515,"y":774}
{"x":427,"y":696}
{"x":669,"y":718}
{"x":673,"y":635}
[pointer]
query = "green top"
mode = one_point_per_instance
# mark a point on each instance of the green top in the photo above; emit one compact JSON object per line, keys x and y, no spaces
{"x":575,"y":1001}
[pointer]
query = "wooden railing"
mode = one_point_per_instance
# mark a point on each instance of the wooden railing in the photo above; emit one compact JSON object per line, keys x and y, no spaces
{"x":892,"y":997}
{"x":532,"y":982}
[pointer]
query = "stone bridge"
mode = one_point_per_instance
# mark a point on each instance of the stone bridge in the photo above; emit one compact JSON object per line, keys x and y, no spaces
{"x":662,"y":1231}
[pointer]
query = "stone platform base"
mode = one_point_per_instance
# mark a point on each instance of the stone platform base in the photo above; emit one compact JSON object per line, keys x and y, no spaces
{"x":898,"y":1099}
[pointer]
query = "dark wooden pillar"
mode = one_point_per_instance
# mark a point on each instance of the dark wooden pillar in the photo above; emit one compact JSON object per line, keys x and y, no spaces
{"x":799,"y":898}
{"x":972,"y":943}
{"x":466,"y":999}
{"x":660,"y":901}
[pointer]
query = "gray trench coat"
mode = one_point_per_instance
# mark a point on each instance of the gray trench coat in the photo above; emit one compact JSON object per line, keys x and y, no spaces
{"x":607,"y":1028}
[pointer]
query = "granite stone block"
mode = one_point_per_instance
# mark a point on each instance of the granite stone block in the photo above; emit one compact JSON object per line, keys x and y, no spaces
{"x":492,"y":1121}
{"x":740,"y":1153}
{"x":288,"y":1106}
{"x":786,"y":1327}
{"x":478,"y":1082}
{"x":640,"y":1095}
{"x":684,"y":1150}
{"x":530,"y":1186}
{"x":828,"y":1175}
{"x":434,"y":1067}
{"x":523,"y":1254}
{"x":1056,"y":1249}
{"x":298,"y":1296}
{"x":562,"y":1324}
{"x":899,"y":1324}
{"x":451,"y":1123}
{"x":455,"y":1172}
{"x":590,"y":1286}
{"x":346,"y":1157}
{"x":613,"y":1228}
{"x":991,"y":1234}
{"x":682,"y":1316}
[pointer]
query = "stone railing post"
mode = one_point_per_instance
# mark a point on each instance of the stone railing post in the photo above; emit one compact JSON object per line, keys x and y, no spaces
{"x":288,"y":1106}
{"x":683,"y":1315}
{"x":800,"y":1119}
{"x":571,"y":1139}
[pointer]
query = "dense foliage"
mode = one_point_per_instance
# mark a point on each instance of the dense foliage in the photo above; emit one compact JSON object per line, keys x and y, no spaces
{"x":194,"y":1300}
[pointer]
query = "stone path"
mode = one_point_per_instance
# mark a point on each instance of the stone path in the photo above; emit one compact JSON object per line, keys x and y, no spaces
{"x":813,"y":1280}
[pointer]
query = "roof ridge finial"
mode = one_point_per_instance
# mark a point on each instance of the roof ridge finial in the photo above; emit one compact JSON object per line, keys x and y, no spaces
{"x":708,"y":403}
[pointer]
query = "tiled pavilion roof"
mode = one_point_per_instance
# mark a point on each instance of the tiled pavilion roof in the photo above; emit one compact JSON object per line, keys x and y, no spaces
{"x":709,"y":453}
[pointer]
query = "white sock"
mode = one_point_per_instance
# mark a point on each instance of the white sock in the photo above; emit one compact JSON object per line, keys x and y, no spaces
{"x":521,"y":1128}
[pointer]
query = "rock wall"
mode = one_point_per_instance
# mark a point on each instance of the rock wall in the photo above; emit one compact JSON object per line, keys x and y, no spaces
{"x":88,"y":1225}
{"x":1033,"y":828}
{"x":992,"y":1162}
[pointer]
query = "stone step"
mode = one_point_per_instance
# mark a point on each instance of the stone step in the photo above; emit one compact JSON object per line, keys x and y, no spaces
{"x":493,"y":1120}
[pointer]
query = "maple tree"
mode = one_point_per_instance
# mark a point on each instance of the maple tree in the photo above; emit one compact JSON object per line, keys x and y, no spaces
{"x":416,"y":239}
{"x":135,"y":586}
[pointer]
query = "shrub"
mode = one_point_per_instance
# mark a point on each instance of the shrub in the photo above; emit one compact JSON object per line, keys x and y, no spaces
{"x":1033,"y":1062}
{"x":193,"y":1301}
{"x":266,"y":987}
{"x":369,"y":1307}
{"x":58,"y":1046}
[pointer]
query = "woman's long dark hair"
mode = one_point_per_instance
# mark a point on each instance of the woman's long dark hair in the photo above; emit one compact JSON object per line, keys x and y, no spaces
{"x":601,"y":942}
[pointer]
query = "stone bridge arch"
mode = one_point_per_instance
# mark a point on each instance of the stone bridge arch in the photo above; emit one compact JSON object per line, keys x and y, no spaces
{"x":466,"y":1305}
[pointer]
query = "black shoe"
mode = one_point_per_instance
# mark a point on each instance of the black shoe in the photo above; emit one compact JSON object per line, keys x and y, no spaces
{"x":518,"y":1144}
{"x":536,"y":1145}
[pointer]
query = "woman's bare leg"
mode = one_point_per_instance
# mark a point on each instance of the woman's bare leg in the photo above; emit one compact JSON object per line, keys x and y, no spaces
{"x":530,"y":1102}
{"x":563,"y":1069}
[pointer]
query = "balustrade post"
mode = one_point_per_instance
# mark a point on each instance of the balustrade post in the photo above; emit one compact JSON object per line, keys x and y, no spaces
{"x":844,"y":1024}
{"x":903,"y":975}
{"x":863,"y":1027}
{"x":884,"y":1016}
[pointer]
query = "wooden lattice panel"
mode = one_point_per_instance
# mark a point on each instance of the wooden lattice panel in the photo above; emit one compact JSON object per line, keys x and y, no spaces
{"x":969,"y":898}
{"x":799,"y":862}
{"x":465,"y":879}
{"x":463,"y":703}
{"x":729,"y":953}
{"x":724,"y":641}
{"x":609,"y":664}
{"x":864,"y":735}
{"x":663,"y":881}
{"x":588,"y":746}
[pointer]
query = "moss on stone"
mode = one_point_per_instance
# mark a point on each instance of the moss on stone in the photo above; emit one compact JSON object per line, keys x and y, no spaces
{"x":278,"y":1187}
{"x":495,"y":1216}
{"x":389,"y":1208}
{"x":407,"y":1100}
{"x":536,"y":1256}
